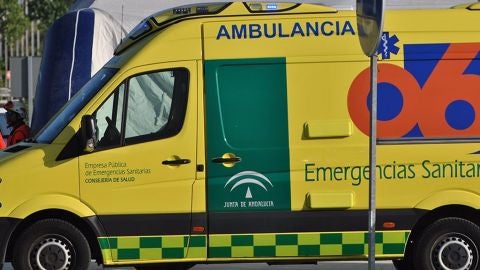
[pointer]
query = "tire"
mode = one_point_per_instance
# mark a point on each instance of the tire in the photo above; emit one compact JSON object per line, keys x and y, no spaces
{"x":51,"y":244}
{"x":449,"y":243}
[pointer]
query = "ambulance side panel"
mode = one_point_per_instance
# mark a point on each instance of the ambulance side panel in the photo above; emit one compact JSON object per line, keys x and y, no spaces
{"x":261,"y":71}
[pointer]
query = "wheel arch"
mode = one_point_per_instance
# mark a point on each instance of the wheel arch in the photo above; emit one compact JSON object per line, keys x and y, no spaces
{"x":87,"y":224}
{"x":454,"y":210}
{"x":51,"y":201}
{"x":449,"y":197}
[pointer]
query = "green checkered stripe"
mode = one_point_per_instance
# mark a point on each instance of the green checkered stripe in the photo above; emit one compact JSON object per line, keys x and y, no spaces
{"x":391,"y":243}
{"x":153,"y":248}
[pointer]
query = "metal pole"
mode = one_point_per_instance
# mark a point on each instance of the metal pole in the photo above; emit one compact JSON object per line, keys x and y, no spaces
{"x":32,"y":38}
{"x":373,"y":163}
{"x":31,"y":91}
{"x":39,"y":45}
{"x":7,"y":58}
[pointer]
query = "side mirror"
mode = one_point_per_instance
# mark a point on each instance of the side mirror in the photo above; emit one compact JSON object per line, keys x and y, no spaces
{"x":88,"y":130}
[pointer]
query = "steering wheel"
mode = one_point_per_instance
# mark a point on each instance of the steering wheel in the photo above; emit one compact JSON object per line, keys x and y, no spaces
{"x":112,"y":127}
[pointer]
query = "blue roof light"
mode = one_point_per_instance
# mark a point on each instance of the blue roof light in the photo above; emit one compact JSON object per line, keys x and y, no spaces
{"x":272,"y":6}
{"x":140,"y":29}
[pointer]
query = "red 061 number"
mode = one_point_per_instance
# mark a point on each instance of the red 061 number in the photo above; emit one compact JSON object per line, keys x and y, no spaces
{"x":427,"y":105}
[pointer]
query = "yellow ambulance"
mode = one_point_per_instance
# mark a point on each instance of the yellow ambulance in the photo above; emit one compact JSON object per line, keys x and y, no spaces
{"x":239,"y":132}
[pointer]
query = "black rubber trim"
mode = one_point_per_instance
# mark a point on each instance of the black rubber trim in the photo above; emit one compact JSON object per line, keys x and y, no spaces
{"x":256,"y":222}
{"x":95,"y":225}
{"x":151,"y":224}
{"x":309,"y":221}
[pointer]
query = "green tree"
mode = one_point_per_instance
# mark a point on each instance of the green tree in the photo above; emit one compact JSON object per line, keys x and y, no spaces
{"x":13,"y":21}
{"x":13,"y":24}
{"x":47,"y":11}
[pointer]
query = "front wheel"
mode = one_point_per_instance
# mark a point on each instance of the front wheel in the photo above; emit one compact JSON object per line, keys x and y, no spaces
{"x":51,"y":244}
{"x":449,"y":244}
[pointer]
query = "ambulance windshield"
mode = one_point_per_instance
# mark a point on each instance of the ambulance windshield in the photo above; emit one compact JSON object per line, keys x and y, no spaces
{"x":74,"y":105}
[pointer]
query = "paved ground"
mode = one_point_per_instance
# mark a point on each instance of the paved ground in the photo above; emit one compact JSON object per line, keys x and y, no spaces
{"x":263,"y":266}
{"x":319,"y":266}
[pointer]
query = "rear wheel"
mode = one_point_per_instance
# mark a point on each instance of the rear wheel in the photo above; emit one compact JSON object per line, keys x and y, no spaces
{"x":449,"y":244}
{"x":51,"y":244}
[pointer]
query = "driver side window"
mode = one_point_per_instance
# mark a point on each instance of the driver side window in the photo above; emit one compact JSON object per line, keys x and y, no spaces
{"x":146,"y":107}
{"x":109,"y":119}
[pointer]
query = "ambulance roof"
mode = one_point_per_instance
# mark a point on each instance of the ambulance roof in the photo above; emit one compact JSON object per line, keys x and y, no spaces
{"x":171,"y":16}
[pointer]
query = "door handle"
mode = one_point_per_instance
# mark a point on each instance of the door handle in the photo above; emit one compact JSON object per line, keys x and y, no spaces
{"x":176,"y":162}
{"x":226,"y":160}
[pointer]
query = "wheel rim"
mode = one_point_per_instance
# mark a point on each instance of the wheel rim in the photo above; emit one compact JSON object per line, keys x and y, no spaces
{"x":52,"y":253}
{"x":454,"y":252}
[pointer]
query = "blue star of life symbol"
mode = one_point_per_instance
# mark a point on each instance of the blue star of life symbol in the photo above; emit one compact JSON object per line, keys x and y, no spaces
{"x":387,"y":45}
